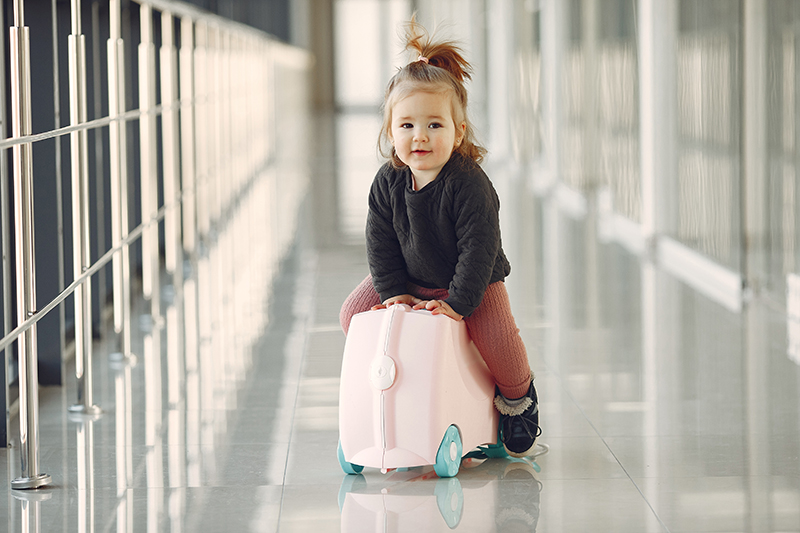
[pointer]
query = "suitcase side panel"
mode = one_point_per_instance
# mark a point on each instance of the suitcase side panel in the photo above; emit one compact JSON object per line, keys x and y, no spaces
{"x":413,"y":404}
{"x":358,"y":400}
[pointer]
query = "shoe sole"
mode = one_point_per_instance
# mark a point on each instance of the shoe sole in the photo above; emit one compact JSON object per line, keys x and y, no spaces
{"x":520,"y":455}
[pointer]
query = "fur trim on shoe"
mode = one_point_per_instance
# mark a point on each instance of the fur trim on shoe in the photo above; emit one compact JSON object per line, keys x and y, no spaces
{"x":501,"y":405}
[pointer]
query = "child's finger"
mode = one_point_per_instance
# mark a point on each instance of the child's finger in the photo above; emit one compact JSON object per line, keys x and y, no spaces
{"x":433,"y":304}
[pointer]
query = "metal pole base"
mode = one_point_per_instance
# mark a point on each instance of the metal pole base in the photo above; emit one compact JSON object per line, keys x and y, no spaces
{"x":83,"y":410}
{"x":26,"y":483}
{"x":148,"y":323}
{"x":168,"y":293}
{"x":119,"y":360}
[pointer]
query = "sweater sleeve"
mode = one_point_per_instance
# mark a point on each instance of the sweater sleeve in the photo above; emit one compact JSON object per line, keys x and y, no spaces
{"x":384,"y":254}
{"x":478,"y":241}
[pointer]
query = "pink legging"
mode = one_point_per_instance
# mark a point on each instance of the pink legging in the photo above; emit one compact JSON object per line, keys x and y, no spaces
{"x":491,"y":327}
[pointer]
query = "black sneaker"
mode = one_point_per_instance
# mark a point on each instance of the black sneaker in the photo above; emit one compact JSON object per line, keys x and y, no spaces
{"x":519,"y":423}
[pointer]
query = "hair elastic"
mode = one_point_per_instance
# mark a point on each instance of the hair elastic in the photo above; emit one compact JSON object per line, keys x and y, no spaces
{"x":423,"y":59}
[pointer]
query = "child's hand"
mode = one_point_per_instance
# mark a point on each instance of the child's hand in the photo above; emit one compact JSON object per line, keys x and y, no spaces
{"x":438,"y":307}
{"x":399,"y":299}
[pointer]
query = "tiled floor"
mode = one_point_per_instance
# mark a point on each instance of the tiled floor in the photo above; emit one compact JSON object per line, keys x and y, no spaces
{"x":662,"y":410}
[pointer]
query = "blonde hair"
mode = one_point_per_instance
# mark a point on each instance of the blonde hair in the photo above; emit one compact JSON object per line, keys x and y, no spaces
{"x":438,"y":67}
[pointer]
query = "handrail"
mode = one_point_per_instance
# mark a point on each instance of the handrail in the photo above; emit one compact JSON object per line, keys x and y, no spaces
{"x":197,"y":197}
{"x":86,"y":126}
{"x":102,"y":261}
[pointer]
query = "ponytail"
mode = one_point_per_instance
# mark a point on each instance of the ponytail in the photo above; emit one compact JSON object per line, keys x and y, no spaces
{"x":443,"y":54}
{"x":436,"y":66}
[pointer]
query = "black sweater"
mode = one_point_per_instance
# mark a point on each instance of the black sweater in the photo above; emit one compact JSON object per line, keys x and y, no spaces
{"x":445,"y":236}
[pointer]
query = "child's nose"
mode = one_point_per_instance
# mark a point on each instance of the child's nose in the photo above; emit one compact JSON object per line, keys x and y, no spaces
{"x":420,"y":134}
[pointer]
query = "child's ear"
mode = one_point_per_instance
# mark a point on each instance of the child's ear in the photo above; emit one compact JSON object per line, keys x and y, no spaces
{"x":461,"y":130}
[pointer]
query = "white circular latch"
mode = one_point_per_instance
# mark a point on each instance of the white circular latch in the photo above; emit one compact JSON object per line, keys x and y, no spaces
{"x":453,"y":451}
{"x":382,"y":372}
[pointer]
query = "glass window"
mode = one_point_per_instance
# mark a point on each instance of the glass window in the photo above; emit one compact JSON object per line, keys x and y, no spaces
{"x":708,"y":188}
{"x":783,"y":155}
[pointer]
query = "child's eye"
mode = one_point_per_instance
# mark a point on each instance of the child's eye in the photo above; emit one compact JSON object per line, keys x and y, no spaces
{"x":435,"y":125}
{"x":406,"y":126}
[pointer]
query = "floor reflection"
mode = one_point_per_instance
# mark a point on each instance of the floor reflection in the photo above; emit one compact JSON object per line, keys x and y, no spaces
{"x":489,"y":495}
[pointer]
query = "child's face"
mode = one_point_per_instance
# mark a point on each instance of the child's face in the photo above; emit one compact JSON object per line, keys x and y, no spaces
{"x":423,"y":132}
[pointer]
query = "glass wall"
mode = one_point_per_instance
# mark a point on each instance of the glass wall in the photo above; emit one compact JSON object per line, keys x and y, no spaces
{"x":600,"y":137}
{"x":679,"y":116}
{"x":709,"y":91}
{"x":783,"y":155}
{"x":527,"y":128}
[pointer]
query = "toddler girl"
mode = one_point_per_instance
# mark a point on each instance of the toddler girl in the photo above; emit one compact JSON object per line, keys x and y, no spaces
{"x":433,"y":232}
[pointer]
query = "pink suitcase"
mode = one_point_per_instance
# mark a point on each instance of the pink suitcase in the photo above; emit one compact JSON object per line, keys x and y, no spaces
{"x":414,"y":391}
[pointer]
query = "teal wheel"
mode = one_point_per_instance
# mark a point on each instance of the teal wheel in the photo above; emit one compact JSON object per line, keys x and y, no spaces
{"x":448,"y":458}
{"x":349,"y":468}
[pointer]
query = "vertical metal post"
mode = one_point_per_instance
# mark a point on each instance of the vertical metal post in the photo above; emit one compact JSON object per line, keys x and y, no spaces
{"x":225,"y":193}
{"x":188,"y":105}
{"x":98,"y":149}
{"x":215,"y":75}
{"x":117,"y":151}
{"x":169,"y":124}
{"x":5,"y":232}
{"x":658,"y":32}
{"x":654,"y":303}
{"x":500,"y":40}
{"x":79,"y":141}
{"x":30,"y":477}
{"x":116,"y":104}
{"x":147,"y":149}
{"x":590,"y":76}
{"x":62,"y":311}
{"x":755,"y":222}
{"x":755,"y":151}
{"x":202,"y":127}
{"x":191,"y":350}
{"x":216,"y":83}
{"x":554,"y":31}
{"x":202,"y":130}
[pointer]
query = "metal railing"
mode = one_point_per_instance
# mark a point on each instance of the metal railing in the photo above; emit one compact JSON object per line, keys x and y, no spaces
{"x":211,"y":86}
